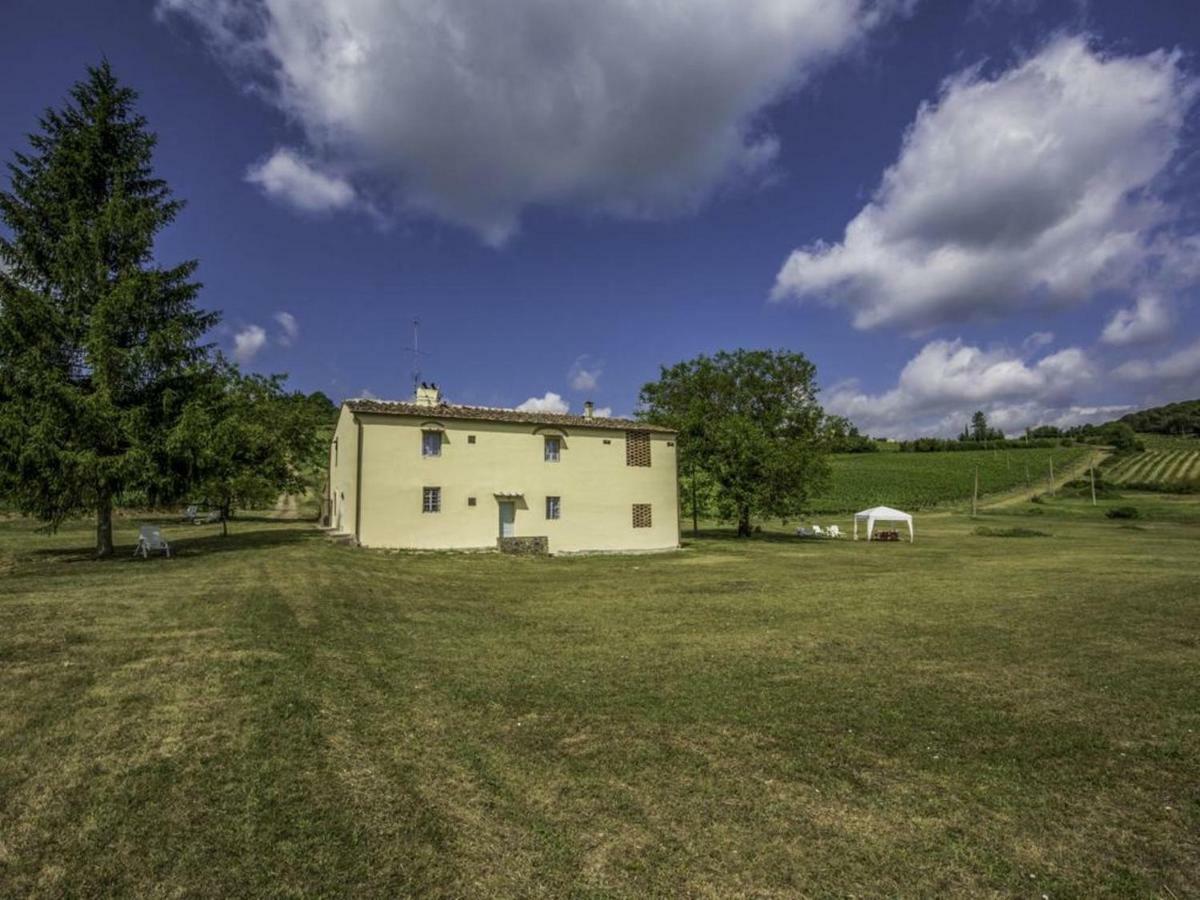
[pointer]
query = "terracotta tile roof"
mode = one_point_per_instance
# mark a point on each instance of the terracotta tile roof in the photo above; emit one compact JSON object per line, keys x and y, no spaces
{"x":492,"y":414}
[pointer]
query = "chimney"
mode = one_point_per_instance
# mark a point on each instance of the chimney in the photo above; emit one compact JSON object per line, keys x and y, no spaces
{"x":588,"y":409}
{"x":428,"y":395}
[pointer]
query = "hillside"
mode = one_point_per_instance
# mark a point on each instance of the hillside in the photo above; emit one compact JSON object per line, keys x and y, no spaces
{"x":1173,"y":418}
{"x":922,"y":480}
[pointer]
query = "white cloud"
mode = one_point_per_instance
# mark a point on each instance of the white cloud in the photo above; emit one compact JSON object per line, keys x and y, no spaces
{"x":472,"y":111}
{"x":1037,"y":340}
{"x":1148,"y":320}
{"x":603,"y":412}
{"x":584,"y":374}
{"x":247,"y":343}
{"x":290,"y":328}
{"x":289,"y":178}
{"x":1179,"y":368}
{"x":549,"y":403}
{"x":1036,"y":187}
{"x":946,"y":381}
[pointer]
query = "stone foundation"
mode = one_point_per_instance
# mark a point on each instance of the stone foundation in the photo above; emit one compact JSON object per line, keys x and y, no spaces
{"x":524,"y":546}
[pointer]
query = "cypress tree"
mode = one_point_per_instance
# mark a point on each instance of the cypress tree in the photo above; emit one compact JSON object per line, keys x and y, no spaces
{"x":99,"y":343}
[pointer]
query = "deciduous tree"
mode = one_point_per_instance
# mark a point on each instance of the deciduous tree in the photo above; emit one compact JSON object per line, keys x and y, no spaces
{"x":749,"y":419}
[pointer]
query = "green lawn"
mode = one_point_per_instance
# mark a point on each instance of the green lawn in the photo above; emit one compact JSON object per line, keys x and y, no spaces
{"x":272,"y":714}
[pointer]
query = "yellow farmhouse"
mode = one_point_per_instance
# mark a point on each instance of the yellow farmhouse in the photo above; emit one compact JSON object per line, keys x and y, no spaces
{"x":431,"y":475}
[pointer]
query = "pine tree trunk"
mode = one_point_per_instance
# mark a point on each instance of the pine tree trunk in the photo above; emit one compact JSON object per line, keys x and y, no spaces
{"x":104,"y":540}
{"x":744,"y":522}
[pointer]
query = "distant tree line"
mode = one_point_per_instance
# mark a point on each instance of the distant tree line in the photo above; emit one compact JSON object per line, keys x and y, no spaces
{"x":1181,"y":419}
{"x":108,"y":396}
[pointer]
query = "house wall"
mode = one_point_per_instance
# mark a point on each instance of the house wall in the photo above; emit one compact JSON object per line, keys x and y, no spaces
{"x":343,"y":461}
{"x":597,"y":488}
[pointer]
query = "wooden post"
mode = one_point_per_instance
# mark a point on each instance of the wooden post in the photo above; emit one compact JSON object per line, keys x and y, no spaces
{"x":975,"y":496}
{"x":695,"y":512}
{"x":1026,"y":473}
{"x":1052,"y":476}
{"x":1092,"y":469}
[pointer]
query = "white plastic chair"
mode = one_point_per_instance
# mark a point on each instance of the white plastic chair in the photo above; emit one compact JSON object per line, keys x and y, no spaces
{"x":834,"y":531}
{"x":189,"y":514}
{"x":150,"y":540}
{"x":803,"y":532}
{"x":818,"y":531}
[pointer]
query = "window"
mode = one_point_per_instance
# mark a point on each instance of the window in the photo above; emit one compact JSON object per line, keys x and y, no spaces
{"x":470,"y":501}
{"x":470,"y":438}
{"x":431,"y":502}
{"x":553,"y":448}
{"x":335,"y":451}
{"x":637,"y":448}
{"x":641,"y":515}
{"x":431,"y":443}
{"x":553,"y":507}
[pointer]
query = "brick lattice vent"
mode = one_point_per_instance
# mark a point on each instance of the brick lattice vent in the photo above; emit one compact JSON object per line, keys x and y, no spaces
{"x":637,"y":448}
{"x":641,"y":515}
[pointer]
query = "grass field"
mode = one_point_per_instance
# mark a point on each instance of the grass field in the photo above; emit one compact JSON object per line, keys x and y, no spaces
{"x":1167,"y":463}
{"x":272,"y":714}
{"x":925,"y":480}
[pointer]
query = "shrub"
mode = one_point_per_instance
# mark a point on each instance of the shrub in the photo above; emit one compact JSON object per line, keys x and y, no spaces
{"x":984,"y":531}
{"x":1122,"y":512}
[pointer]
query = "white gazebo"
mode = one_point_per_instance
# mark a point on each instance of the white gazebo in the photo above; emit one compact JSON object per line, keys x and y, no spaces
{"x":881,"y":514}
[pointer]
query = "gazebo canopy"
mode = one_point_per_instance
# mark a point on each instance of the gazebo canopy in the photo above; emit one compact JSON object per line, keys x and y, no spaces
{"x":882,"y":514}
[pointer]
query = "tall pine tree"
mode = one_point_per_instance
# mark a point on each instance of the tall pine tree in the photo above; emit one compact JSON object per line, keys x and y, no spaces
{"x":98,"y":342}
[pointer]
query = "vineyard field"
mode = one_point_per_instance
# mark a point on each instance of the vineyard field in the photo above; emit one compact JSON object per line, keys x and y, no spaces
{"x":922,"y":480}
{"x":1177,"y":466}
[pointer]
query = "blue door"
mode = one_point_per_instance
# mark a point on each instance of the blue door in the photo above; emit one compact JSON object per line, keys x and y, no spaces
{"x":508,"y":518}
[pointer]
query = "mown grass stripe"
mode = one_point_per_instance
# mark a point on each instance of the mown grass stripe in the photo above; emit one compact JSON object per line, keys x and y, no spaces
{"x":1179,"y":466}
{"x":1159,"y":464}
{"x":1137,"y":467}
{"x":1119,"y":471}
{"x":1193,"y":469}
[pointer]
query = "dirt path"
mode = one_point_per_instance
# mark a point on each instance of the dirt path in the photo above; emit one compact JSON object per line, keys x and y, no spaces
{"x":1022,"y":495}
{"x":285,"y":507}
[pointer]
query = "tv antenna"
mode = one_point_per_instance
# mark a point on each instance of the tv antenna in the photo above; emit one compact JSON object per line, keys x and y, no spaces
{"x":415,"y":350}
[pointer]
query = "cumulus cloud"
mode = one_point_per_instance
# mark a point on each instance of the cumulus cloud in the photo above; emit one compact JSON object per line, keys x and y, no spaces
{"x":1035,"y":187}
{"x":1149,"y":319}
{"x":289,"y":328}
{"x":472,"y":111}
{"x":288,"y":177}
{"x":946,"y":381}
{"x":603,"y":412}
{"x":584,"y":374}
{"x":1178,"y":369}
{"x":550,"y":402}
{"x":247,"y":343}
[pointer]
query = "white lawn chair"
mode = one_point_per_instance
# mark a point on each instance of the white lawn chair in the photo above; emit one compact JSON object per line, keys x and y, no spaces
{"x":150,"y":540}
{"x":213,"y":516}
{"x":818,"y":531}
{"x":189,"y":514}
{"x":834,"y":531}
{"x":804,"y":532}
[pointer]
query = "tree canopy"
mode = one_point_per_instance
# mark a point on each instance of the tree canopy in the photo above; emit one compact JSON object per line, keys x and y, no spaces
{"x":242,"y":440}
{"x":99,"y":343}
{"x":750,"y":421}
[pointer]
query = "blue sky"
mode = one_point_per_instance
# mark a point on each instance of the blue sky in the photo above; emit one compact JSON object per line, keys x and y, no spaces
{"x":569,"y":195}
